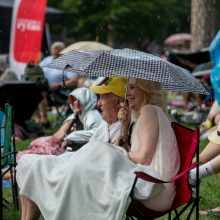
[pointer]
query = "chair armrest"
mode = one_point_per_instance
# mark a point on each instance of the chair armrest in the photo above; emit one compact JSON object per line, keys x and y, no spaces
{"x":149,"y":178}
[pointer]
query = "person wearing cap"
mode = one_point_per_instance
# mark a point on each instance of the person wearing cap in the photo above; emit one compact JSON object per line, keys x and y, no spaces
{"x":210,"y":163}
{"x":111,"y":93}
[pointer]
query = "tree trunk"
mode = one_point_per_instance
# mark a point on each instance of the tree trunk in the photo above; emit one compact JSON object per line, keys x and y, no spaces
{"x":202,"y":23}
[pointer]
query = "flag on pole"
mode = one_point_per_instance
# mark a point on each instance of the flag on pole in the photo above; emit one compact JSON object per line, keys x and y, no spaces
{"x":26,"y":33}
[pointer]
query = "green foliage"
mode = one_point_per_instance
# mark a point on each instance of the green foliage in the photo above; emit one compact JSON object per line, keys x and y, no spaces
{"x":128,"y":22}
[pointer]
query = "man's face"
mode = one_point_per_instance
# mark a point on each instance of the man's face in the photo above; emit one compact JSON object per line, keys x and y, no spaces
{"x":109,"y":105}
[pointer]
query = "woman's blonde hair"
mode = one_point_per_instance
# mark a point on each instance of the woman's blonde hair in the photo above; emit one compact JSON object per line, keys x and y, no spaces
{"x":153,"y":93}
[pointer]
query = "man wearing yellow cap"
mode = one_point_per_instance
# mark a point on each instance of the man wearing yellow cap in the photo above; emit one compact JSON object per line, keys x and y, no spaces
{"x":111,"y":93}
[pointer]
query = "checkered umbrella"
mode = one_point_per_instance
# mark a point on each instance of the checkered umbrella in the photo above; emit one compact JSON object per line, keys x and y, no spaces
{"x":131,"y":64}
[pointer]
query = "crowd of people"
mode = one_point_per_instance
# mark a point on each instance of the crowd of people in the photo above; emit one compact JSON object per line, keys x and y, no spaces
{"x":111,"y":130}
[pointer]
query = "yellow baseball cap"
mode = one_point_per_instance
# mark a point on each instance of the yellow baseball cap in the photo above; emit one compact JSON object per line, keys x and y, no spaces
{"x":115,"y":85}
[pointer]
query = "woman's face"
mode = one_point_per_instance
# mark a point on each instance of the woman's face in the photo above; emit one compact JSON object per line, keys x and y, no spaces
{"x":135,"y":96}
{"x":76,"y":105}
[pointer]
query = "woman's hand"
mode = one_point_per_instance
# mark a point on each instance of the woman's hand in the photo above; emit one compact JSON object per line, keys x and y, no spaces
{"x":124,"y":114}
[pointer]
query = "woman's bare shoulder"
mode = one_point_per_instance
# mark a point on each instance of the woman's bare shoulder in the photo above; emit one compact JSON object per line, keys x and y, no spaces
{"x":148,"y":111}
{"x":148,"y":108}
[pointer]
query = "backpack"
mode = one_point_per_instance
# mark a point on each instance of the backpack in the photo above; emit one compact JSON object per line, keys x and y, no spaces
{"x":34,"y":73}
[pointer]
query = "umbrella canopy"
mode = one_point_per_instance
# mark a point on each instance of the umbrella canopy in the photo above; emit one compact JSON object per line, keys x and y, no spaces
{"x":180,"y":38}
{"x":86,"y":45}
{"x":203,"y":69}
{"x":129,"y":63}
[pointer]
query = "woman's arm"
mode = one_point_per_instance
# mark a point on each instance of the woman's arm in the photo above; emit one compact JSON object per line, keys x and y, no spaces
{"x":69,"y":84}
{"x":148,"y":133}
{"x":62,"y":132}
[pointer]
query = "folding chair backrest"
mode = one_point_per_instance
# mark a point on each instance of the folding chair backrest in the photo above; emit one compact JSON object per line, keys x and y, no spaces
{"x":6,"y":134}
{"x":188,"y":141}
{"x":8,"y":153}
{"x":2,"y":133}
{"x":1,"y":116}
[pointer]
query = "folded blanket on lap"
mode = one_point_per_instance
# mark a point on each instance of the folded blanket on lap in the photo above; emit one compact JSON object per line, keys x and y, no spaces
{"x":91,"y":183}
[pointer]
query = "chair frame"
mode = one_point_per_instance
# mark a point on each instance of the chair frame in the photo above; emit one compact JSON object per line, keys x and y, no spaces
{"x":8,"y":155}
{"x":138,"y":210}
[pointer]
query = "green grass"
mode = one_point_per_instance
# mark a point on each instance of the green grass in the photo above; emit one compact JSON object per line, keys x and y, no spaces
{"x":209,"y":190}
{"x":11,"y":213}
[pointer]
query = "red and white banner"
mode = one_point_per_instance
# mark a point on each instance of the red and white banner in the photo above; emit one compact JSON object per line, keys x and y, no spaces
{"x":26,"y":33}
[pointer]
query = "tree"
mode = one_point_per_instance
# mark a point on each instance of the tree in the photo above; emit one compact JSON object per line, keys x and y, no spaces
{"x":125,"y":22}
{"x":202,"y":23}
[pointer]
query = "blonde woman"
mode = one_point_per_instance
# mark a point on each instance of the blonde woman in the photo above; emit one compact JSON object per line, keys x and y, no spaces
{"x":153,"y":141}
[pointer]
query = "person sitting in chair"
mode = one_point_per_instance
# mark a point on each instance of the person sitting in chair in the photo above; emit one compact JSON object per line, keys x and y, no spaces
{"x":54,"y":76}
{"x":57,"y":79}
{"x":210,"y":164}
{"x":99,"y":176}
{"x":153,"y":141}
{"x":84,"y":118}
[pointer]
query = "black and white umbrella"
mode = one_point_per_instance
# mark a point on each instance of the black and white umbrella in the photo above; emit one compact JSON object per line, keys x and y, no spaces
{"x":131,"y":64}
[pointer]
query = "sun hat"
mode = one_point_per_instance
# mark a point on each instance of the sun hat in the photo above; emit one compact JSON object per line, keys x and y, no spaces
{"x":214,"y":134}
{"x":115,"y":85}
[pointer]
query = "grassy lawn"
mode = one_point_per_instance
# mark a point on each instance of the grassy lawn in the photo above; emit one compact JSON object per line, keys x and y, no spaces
{"x":209,"y":190}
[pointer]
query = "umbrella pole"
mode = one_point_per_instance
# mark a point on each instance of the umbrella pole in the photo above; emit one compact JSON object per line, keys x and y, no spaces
{"x":121,"y":141}
{"x":63,"y":78}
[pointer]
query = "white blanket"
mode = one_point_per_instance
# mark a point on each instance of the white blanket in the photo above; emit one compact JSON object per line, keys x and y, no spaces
{"x":91,"y":183}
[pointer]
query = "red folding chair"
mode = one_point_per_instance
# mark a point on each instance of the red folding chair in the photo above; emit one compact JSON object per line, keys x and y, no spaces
{"x":188,"y":141}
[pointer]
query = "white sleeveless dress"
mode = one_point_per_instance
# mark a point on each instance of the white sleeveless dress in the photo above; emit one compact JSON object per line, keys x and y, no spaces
{"x":165,"y":161}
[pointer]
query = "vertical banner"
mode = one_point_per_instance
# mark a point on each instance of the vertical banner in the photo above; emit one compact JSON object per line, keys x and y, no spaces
{"x":26,"y":33}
